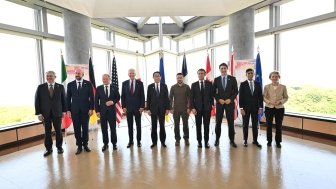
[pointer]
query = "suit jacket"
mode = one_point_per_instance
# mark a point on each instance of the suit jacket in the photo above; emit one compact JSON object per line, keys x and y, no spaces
{"x":101,"y":99}
{"x":156,"y":103}
{"x":280,"y":93}
{"x":247,"y":101}
{"x":196,"y":96}
{"x":80,"y":100}
{"x":46,"y":105}
{"x":135,"y":101}
{"x":230,"y":91}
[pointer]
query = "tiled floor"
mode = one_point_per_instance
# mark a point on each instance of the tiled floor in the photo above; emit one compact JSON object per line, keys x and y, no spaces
{"x":299,"y":164}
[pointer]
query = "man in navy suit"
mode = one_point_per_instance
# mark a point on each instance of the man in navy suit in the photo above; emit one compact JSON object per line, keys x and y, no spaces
{"x":133,"y":103}
{"x":107,"y":96}
{"x":226,"y":90}
{"x":250,"y":103}
{"x":50,"y":107}
{"x":158,"y":106}
{"x":201,"y":102}
{"x":80,"y":105}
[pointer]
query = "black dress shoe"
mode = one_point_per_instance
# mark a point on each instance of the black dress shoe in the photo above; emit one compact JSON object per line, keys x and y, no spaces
{"x":60,"y":150}
{"x":153,"y":145}
{"x":199,"y":145}
{"x":47,"y":152}
{"x":257,"y":144}
{"x":130,"y":144}
{"x":105,"y":147}
{"x":87,"y":149}
{"x":115,"y":147}
{"x":233,"y":144}
{"x":278,"y":145}
{"x":139,"y":144}
{"x":164,"y":145}
{"x":217,"y":143}
{"x":269,"y":143}
{"x":206,"y":145}
{"x":245,"y":143}
{"x":79,"y":150}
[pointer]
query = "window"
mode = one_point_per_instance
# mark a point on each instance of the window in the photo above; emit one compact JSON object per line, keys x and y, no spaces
{"x":155,"y":43}
{"x":307,"y":69}
{"x":148,"y":46}
{"x":100,"y":64}
{"x":173,"y":46}
{"x":166,"y":43}
{"x":221,"y":33}
{"x":185,"y":45}
{"x":261,"y":19}
{"x":289,"y":11}
{"x":52,"y":57}
{"x":266,"y":50}
{"x":124,"y":63}
{"x":55,"y":24}
{"x":19,"y":68}
{"x":99,"y":36}
{"x":221,"y":55}
{"x":121,"y":42}
{"x":135,"y":46}
{"x":9,"y":15}
{"x":199,"y":40}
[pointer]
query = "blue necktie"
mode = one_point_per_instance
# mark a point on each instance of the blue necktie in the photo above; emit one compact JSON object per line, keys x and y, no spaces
{"x":223,"y":82}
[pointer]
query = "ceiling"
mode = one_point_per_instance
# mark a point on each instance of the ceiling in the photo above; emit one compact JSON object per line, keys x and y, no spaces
{"x":147,"y":8}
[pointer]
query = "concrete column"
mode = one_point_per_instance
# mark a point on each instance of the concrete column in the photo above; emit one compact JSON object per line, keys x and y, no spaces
{"x":77,"y":37}
{"x":241,"y":34}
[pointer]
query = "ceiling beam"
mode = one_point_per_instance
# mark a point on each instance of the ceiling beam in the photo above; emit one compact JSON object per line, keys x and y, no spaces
{"x":142,"y":22}
{"x":167,"y":29}
{"x":178,"y":21}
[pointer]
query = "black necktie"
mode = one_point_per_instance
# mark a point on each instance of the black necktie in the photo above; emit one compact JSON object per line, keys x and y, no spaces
{"x":224,"y":82}
{"x":202,"y":94}
{"x":51,"y":90}
{"x":157,"y":90}
{"x":79,"y":85}
{"x":106,"y":90}
{"x":131,"y":89}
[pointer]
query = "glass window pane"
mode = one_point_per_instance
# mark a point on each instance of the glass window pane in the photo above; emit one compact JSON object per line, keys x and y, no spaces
{"x":266,"y":49}
{"x":148,"y":46}
{"x":221,"y":55}
{"x":135,"y":46}
{"x":9,"y":15}
{"x":155,"y":44}
{"x":199,"y":40}
{"x":121,"y":42}
{"x":52,"y":57}
{"x":19,"y":68}
{"x":261,"y":19}
{"x":166,"y":43}
{"x":221,"y":33}
{"x":289,"y":11}
{"x":307,"y":68}
{"x":100,"y":65}
{"x":55,"y":24}
{"x":124,"y":63}
{"x":173,"y":46}
{"x":185,"y":45}
{"x":99,"y":36}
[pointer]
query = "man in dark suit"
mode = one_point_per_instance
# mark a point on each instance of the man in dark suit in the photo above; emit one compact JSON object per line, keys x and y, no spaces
{"x":80,"y":105}
{"x":107,"y":96}
{"x":50,"y":107}
{"x":201,"y":102}
{"x":133,"y":103}
{"x":158,"y":107}
{"x":226,"y":90}
{"x":250,"y":103}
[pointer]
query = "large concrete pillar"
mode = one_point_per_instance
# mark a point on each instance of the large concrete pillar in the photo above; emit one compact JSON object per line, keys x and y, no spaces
{"x":77,"y":37}
{"x":241,"y":34}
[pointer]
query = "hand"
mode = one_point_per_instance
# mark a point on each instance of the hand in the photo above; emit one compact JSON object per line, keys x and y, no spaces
{"x":140,"y":110}
{"x":149,"y":113}
{"x":167,"y":112}
{"x":109,"y":103}
{"x":277,"y":102}
{"x":69,"y":114}
{"x":171,"y":111}
{"x":242,"y":112}
{"x":227,"y":101}
{"x":124,"y":111}
{"x":194,"y":111}
{"x":98,"y":114}
{"x":90,"y":112}
{"x":260,"y":111}
{"x":40,"y":117}
{"x":221,"y":101}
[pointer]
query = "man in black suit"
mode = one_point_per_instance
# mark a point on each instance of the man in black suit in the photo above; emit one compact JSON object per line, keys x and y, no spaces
{"x":106,"y":97}
{"x":158,"y":107}
{"x":201,"y":102}
{"x":50,"y":107}
{"x":250,"y":103}
{"x":226,"y":90}
{"x":133,"y":103}
{"x":80,"y":105}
